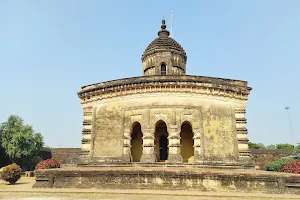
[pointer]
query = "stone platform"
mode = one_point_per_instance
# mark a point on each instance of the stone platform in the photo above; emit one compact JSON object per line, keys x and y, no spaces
{"x":169,"y":178}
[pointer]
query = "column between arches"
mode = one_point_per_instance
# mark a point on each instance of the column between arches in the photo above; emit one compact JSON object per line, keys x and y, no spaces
{"x":174,"y":146}
{"x":148,"y":146}
{"x":197,"y":147}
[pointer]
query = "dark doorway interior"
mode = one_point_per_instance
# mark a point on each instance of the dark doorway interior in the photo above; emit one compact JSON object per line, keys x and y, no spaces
{"x":163,"y":148}
{"x":161,"y":142}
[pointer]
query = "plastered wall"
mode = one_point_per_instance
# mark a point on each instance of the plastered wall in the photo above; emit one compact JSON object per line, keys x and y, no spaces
{"x":212,"y":117}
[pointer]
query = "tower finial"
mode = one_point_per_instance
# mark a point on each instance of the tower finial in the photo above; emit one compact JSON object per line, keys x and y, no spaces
{"x":171,"y":23}
{"x":163,"y":24}
{"x":163,"y":32}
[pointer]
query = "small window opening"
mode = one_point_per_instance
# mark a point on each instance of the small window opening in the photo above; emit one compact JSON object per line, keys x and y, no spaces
{"x":163,"y":69}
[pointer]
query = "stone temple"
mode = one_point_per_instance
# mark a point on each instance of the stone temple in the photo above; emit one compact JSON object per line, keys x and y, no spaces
{"x":166,"y":130}
{"x":165,"y":116}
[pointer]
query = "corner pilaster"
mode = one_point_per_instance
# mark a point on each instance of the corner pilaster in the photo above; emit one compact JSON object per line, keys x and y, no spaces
{"x":242,"y":136}
{"x":88,"y":113}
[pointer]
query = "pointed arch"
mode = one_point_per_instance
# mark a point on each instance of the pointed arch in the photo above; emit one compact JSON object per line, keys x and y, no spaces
{"x":161,"y":124}
{"x":187,"y":142}
{"x":136,"y":142}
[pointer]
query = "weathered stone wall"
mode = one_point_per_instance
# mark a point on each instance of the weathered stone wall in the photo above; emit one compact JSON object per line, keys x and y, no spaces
{"x":210,"y":105}
{"x":170,"y":178}
{"x":212,"y":118}
{"x":259,"y":156}
{"x":108,"y":131}
{"x":63,"y":155}
{"x":262,"y":156}
{"x":219,"y":139}
{"x":66,"y":155}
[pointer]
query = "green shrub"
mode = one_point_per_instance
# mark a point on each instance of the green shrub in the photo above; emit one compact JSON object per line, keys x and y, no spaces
{"x":277,"y":166}
{"x":11,"y":173}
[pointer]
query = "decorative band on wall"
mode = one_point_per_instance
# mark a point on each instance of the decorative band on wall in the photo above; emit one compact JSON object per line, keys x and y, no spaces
{"x":182,"y":87}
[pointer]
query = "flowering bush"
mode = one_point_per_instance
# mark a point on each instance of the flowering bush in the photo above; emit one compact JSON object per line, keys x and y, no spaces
{"x":11,"y":173}
{"x":47,"y":164}
{"x":277,"y":166}
{"x":292,"y":167}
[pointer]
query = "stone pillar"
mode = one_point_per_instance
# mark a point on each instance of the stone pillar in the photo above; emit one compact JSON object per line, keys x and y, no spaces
{"x":197,"y":147}
{"x":127,"y":146}
{"x":148,"y":146}
{"x":86,"y":135}
{"x":242,"y":137}
{"x":174,"y":147}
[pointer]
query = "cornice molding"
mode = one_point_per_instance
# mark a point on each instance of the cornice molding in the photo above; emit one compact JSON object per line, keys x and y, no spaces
{"x":170,"y":84}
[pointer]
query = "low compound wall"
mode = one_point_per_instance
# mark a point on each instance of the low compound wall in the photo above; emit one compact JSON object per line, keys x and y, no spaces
{"x":169,"y":178}
{"x":262,"y":156}
{"x":63,"y":155}
{"x":66,"y":155}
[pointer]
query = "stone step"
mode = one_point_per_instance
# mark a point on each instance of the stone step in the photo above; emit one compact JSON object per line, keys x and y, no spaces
{"x":181,"y":165}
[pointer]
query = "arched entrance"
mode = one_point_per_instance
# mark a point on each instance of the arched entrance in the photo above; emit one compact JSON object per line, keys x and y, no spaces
{"x":136,"y":142}
{"x":161,"y":142}
{"x":187,"y":142}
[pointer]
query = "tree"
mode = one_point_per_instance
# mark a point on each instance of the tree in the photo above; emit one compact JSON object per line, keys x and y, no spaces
{"x":19,"y":141}
{"x":297,"y":149}
{"x":256,"y":145}
{"x":4,"y":159}
{"x":284,"y":146}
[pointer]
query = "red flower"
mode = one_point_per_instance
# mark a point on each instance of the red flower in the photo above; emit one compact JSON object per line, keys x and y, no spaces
{"x":292,"y":167}
{"x":47,"y":164}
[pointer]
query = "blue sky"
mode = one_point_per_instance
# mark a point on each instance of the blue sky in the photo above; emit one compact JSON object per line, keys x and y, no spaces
{"x":49,"y":49}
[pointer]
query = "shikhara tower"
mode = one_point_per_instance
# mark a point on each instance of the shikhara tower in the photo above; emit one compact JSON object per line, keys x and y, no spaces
{"x":164,"y":56}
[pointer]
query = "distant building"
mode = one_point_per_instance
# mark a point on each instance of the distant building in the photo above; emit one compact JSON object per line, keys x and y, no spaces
{"x":165,"y":115}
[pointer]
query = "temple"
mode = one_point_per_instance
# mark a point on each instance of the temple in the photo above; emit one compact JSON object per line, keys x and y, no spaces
{"x":166,"y":130}
{"x":165,"y":116}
